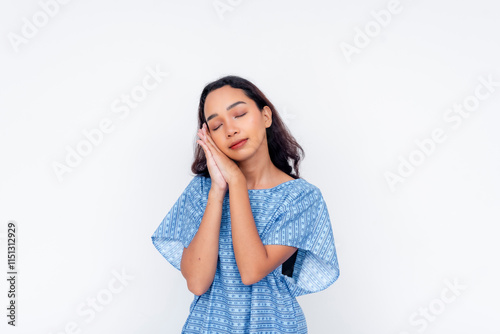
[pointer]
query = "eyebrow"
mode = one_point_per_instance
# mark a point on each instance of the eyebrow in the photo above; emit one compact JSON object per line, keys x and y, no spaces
{"x":231,"y":106}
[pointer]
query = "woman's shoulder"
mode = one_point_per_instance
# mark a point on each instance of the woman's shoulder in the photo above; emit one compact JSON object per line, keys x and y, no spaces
{"x":302,"y":190}
{"x":302,"y":186}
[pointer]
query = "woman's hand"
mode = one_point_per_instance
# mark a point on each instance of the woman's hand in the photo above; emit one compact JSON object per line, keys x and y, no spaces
{"x":218,"y":181}
{"x":222,"y":169}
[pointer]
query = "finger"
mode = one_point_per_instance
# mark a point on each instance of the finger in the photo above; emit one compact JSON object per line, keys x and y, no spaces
{"x":220,"y":158}
{"x":202,"y":136}
{"x":214,"y":156}
{"x":210,"y":140}
{"x":217,"y":156}
{"x":210,"y":162}
{"x":205,"y":148}
{"x":206,"y":142}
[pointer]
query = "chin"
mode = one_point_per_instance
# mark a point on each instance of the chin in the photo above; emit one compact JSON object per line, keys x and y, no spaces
{"x":232,"y":157}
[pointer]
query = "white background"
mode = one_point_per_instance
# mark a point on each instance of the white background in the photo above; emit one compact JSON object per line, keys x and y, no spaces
{"x":356,"y":117}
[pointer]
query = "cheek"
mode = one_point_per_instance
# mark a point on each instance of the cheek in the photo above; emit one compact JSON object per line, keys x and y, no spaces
{"x":261,"y":129}
{"x":255,"y":125}
{"x":216,"y":139}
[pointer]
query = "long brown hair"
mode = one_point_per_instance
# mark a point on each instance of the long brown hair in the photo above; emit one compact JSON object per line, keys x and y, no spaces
{"x":283,"y":148}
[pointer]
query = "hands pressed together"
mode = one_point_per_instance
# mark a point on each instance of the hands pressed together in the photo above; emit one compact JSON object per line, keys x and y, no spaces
{"x":222,"y":169}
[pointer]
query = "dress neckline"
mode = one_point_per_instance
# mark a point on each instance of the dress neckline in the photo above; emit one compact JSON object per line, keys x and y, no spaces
{"x":275,"y":187}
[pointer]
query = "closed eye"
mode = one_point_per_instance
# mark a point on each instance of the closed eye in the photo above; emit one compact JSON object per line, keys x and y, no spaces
{"x":234,"y":117}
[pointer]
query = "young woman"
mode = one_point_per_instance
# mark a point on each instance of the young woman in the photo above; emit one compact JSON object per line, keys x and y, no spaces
{"x":248,"y":234}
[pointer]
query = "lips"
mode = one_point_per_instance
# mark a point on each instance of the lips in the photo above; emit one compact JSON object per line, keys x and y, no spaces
{"x":238,"y":142}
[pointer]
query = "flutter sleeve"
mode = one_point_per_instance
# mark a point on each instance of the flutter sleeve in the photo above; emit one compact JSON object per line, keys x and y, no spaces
{"x":180,"y":224}
{"x":304,"y":222}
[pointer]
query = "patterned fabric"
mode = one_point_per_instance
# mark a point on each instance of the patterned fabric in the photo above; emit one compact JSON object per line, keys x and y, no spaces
{"x":293,"y":213}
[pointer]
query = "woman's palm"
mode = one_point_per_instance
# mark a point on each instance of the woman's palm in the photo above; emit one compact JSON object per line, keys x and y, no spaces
{"x":216,"y":176}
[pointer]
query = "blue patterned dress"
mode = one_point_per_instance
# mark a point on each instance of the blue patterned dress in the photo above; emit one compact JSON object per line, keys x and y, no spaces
{"x":293,"y":213}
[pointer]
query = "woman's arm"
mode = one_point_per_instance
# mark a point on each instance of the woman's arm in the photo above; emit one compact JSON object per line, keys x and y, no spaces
{"x":254,"y":259}
{"x":199,"y":259}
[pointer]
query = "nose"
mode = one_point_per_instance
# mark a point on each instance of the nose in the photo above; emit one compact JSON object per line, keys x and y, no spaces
{"x":231,"y":130}
{"x":231,"y":133}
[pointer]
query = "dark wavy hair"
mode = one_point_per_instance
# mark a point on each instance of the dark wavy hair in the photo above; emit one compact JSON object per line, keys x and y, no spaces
{"x":284,"y":151}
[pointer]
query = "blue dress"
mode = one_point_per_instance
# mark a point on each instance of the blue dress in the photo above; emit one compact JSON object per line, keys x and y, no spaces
{"x":292,"y":213}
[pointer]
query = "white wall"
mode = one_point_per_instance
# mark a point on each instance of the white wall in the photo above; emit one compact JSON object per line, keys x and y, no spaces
{"x":356,"y":104}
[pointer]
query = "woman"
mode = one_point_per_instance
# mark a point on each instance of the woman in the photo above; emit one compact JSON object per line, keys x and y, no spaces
{"x":248,"y":234}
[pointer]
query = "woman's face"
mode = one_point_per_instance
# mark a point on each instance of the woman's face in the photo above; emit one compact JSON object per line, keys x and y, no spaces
{"x":231,"y":117}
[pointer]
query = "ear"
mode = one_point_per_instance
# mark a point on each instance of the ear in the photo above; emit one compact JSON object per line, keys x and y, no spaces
{"x":268,"y":116}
